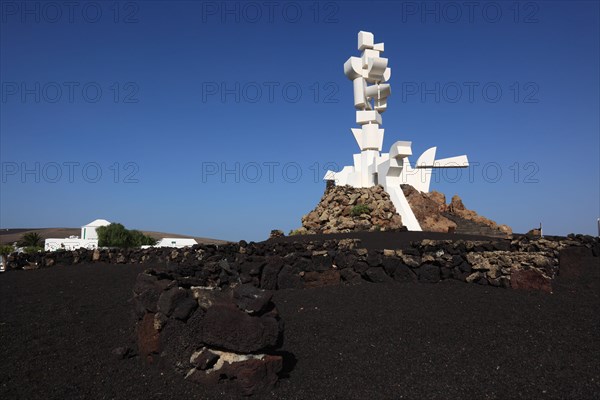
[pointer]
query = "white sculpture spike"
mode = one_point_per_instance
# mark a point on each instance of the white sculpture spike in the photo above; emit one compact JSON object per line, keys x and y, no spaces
{"x":369,"y":74}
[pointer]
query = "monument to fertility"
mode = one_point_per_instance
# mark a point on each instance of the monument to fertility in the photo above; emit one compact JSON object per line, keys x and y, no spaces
{"x":369,"y":74}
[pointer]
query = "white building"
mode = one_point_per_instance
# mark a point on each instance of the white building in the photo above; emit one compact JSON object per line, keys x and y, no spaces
{"x":88,"y":240}
{"x":70,"y":243}
{"x":175,"y":242}
{"x":89,"y":231}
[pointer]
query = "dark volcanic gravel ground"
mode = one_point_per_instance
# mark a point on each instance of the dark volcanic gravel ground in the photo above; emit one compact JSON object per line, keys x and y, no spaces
{"x":450,"y":340}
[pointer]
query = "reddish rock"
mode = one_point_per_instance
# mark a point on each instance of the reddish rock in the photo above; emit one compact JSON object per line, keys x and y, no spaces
{"x":439,"y":199}
{"x":427,"y":210}
{"x":317,"y":279}
{"x":530,"y":279}
{"x":148,"y":338}
{"x":456,"y":204}
{"x":254,"y":376}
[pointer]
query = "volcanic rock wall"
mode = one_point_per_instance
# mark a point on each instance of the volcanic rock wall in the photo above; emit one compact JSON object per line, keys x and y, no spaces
{"x":274,"y":265}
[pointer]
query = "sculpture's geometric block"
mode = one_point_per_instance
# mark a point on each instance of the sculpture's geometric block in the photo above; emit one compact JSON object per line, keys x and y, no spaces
{"x":368,"y":54}
{"x":376,"y":68}
{"x":366,"y":40}
{"x":353,"y":68}
{"x":360,"y":100}
{"x":368,"y":117}
{"x":401,"y":149}
{"x":381,"y":106}
{"x":387,"y":75}
{"x":369,"y":137}
{"x":419,"y":177}
{"x":378,"y":47}
{"x":451,"y":162}
{"x":378,"y":91}
{"x":426,"y":159}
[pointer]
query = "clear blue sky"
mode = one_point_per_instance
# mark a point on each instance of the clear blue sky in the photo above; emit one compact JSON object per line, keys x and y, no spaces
{"x":133,"y":111}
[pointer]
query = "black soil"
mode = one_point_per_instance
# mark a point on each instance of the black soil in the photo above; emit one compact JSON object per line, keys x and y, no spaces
{"x":450,"y":340}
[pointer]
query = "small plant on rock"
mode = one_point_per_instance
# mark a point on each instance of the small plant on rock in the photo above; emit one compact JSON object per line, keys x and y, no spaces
{"x":360,"y":209}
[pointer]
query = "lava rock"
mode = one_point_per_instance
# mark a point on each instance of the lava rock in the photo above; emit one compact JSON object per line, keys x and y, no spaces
{"x":270,"y":271}
{"x":185,"y":307}
{"x":317,"y":279}
{"x":348,"y":275}
{"x":361,"y":267}
{"x":374,"y":259}
{"x":288,"y":278}
{"x":227,"y":327}
{"x":403,"y":273}
{"x":530,"y":279}
{"x":429,"y":273}
{"x":170,"y":299}
{"x":377,"y":275}
{"x":252,"y":300}
{"x":345,"y":260}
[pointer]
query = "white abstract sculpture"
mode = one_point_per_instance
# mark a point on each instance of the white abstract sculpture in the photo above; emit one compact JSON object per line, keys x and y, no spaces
{"x":369,"y":74}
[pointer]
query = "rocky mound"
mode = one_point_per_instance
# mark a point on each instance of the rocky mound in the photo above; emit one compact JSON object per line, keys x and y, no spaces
{"x":434,"y":215}
{"x":348,"y":209}
{"x":344,"y":209}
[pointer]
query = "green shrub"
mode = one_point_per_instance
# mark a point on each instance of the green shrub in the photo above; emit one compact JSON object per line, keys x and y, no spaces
{"x":139,"y":239}
{"x":360,"y":209}
{"x":115,"y":235}
{"x":33,"y":249}
{"x":6,"y":250}
{"x":294,"y":232}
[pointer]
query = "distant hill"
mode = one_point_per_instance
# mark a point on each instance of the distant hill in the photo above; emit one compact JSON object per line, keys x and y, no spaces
{"x":9,"y":236}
